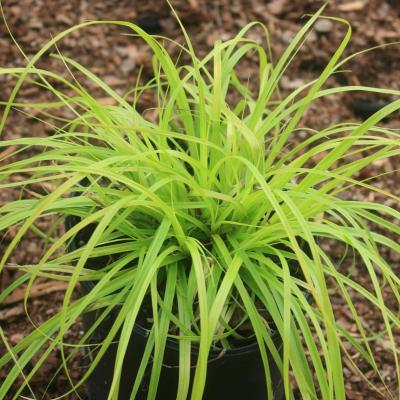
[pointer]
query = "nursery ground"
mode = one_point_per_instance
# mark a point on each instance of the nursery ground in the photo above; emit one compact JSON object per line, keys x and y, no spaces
{"x":116,"y":58}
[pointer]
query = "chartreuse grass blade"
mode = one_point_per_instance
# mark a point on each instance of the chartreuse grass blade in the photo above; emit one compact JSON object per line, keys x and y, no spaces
{"x":198,"y":261}
{"x":161,"y":335}
{"x":184,"y":313}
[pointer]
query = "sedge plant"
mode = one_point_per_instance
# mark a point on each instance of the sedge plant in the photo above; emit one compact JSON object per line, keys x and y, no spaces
{"x":203,"y":211}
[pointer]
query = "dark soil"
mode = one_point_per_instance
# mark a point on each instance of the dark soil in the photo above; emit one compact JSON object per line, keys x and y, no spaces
{"x":116,"y":58}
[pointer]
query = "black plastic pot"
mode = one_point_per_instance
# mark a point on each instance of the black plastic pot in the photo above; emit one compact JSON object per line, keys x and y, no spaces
{"x":236,"y":374}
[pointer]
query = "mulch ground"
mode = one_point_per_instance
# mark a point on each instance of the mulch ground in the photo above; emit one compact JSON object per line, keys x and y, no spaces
{"x":117,"y":58}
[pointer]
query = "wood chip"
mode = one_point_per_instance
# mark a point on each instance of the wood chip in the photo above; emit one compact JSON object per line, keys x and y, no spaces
{"x":194,"y":4}
{"x":37,"y":290}
{"x":11,"y":312}
{"x":323,"y":25}
{"x":16,"y":338}
{"x":353,"y":6}
{"x":107,"y":101}
{"x":276,"y":7}
{"x":7,"y":151}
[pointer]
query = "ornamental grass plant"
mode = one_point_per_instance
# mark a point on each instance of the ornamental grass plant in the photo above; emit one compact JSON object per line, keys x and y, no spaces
{"x":213,"y":215}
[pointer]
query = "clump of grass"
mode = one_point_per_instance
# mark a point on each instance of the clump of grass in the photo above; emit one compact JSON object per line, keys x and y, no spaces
{"x":203,"y":212}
